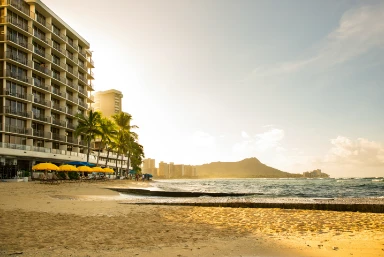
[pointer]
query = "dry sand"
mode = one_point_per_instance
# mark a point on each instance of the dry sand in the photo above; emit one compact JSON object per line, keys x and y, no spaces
{"x":84,"y":219}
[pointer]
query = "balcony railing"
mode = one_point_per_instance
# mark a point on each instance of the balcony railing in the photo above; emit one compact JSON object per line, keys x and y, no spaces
{"x":56,"y":136}
{"x":40,"y":52}
{"x":43,"y":22}
{"x":20,"y":41}
{"x":41,"y":68}
{"x":42,"y":118}
{"x":72,"y":140}
{"x":82,"y":91}
{"x":41,"y":101}
{"x":42,"y":37}
{"x":76,"y":47}
{"x":42,"y":133}
{"x":58,"y":63}
{"x":18,"y":58}
{"x":70,"y":125}
{"x":59,"y":78}
{"x":82,"y":78}
{"x":58,"y":122}
{"x":18,"y":23}
{"x":58,"y":92}
{"x":58,"y":33}
{"x":81,"y":103}
{"x":83,"y":53}
{"x":41,"y":149}
{"x":82,"y":65}
{"x":19,"y":6}
{"x":70,"y":112}
{"x":16,"y":75}
{"x":59,"y":108}
{"x":19,"y":130}
{"x":23,"y":113}
{"x":90,"y":60}
{"x":19,"y":95}
{"x":41,"y":85}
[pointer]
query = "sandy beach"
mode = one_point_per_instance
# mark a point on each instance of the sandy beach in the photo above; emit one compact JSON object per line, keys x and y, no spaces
{"x":85,"y":219}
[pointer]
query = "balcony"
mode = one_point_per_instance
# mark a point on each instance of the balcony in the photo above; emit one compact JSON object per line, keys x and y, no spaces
{"x":82,"y":65}
{"x":41,"y":53}
{"x":58,"y":122}
{"x":42,"y":69}
{"x":72,"y":140}
{"x":58,"y":108}
{"x":83,"y":52}
{"x":44,"y":102}
{"x":91,"y":64}
{"x":76,"y":47}
{"x":81,"y":103}
{"x":19,"y":41}
{"x":70,"y":112}
{"x":70,"y":125}
{"x":18,"y":5}
{"x":41,"y":149}
{"x":58,"y":92}
{"x":59,"y":137}
{"x":18,"y":23}
{"x":82,"y":91}
{"x":42,"y":37}
{"x":19,"y":130}
{"x":59,"y":34}
{"x":43,"y":22}
{"x":58,"y":78}
{"x":18,"y":76}
{"x":18,"y":95}
{"x":72,"y":85}
{"x":14,"y":111}
{"x":82,"y":78}
{"x":18,"y":58}
{"x":42,"y":133}
{"x":39,"y":84}
{"x":42,"y":118}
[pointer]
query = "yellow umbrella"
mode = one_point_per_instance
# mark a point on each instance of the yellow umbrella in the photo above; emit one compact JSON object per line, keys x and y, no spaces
{"x":67,"y":167}
{"x":45,"y":166}
{"x":97,"y":169}
{"x":108,"y":170}
{"x":84,"y":169}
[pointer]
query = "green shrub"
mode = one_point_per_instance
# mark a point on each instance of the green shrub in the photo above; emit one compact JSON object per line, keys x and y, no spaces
{"x":73,"y":175}
{"x":61,"y":174}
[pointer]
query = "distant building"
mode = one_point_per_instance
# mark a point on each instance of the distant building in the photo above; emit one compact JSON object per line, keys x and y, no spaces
{"x":315,"y":174}
{"x":163,"y":170}
{"x":108,"y":102}
{"x":149,"y":166}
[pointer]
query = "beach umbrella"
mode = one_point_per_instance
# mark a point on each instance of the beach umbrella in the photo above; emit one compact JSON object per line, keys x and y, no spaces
{"x":66,"y":168}
{"x":84,"y":169}
{"x":77,"y":163}
{"x":45,"y":166}
{"x":97,"y":169}
{"x":108,"y":170}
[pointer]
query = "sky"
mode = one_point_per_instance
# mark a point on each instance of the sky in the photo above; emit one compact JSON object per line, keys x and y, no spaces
{"x":297,"y":84}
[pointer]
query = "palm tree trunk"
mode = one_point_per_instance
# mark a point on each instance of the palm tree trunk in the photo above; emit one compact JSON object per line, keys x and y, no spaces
{"x":117,"y":167}
{"x":89,"y":147}
{"x":106,"y":160}
{"x":98,"y":155}
{"x":121,"y":164}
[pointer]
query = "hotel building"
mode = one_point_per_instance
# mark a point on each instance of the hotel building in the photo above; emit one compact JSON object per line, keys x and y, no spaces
{"x":108,"y":102}
{"x":46,"y":78}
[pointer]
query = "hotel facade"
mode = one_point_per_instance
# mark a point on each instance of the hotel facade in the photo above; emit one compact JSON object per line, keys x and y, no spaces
{"x":46,"y":79}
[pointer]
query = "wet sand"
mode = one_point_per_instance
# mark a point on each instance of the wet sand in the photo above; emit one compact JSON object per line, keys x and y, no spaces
{"x":85,"y":219}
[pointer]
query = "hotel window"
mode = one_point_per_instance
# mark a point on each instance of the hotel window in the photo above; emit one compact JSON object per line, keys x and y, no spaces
{"x":15,"y":122}
{"x":56,"y":29}
{"x":40,"y":18}
{"x":17,"y":20}
{"x":55,"y":88}
{"x":70,"y":55}
{"x":70,"y":68}
{"x":20,"y":73}
{"x":56,"y":59}
{"x":70,"y":40}
{"x":39,"y":33}
{"x":16,"y":89}
{"x":55,"y":145}
{"x":38,"y":81}
{"x":39,"y":49}
{"x":81,"y":63}
{"x":56,"y":74}
{"x":38,"y":112}
{"x":15,"y":140}
{"x":17,"y":37}
{"x":55,"y":116}
{"x":56,"y":45}
{"x":15,"y":105}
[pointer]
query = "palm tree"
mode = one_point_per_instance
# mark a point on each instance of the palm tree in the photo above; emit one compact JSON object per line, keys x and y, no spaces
{"x":124,"y":134}
{"x":108,"y":132}
{"x":89,"y":127}
{"x":136,"y":156}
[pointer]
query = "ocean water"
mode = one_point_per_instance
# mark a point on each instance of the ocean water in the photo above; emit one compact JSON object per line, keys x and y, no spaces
{"x":280,"y":188}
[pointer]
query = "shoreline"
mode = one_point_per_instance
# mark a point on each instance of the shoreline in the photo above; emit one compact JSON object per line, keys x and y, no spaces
{"x":86,"y":219}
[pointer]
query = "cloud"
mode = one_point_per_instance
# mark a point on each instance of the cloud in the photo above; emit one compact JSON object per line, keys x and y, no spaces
{"x":361,"y":152}
{"x":203,"y":139}
{"x":260,"y":142}
{"x":244,"y":134}
{"x":360,"y":30}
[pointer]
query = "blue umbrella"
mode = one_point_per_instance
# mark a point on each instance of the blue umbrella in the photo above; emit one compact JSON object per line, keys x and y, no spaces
{"x":77,"y":163}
